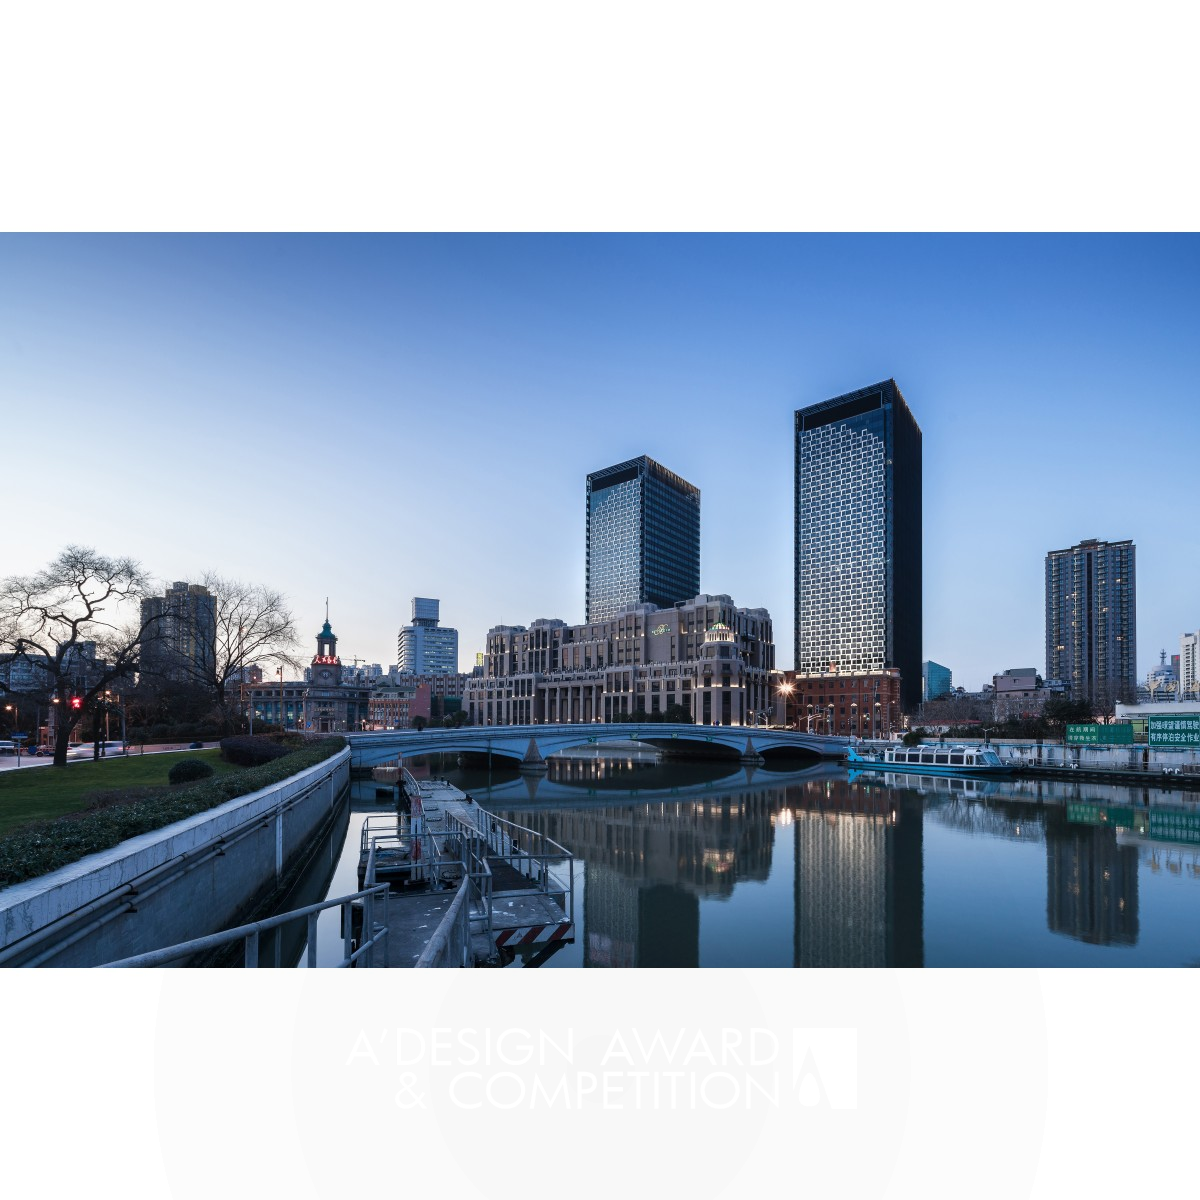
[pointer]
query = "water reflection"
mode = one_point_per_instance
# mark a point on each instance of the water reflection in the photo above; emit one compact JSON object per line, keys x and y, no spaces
{"x":720,"y":864}
{"x":1091,"y":885}
{"x":858,"y":891}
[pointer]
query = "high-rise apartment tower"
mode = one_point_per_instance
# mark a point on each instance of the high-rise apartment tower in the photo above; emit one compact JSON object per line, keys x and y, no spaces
{"x":181,"y":642}
{"x":643,"y":538}
{"x":1091,"y":620}
{"x":858,"y":537}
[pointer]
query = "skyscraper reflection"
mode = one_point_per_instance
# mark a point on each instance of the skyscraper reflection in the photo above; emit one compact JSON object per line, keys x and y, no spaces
{"x":858,"y":889}
{"x":1091,"y":884}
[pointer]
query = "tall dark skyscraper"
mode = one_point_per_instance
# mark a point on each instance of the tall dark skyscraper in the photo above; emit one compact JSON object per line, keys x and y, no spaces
{"x":858,"y":537}
{"x":643,"y":538}
{"x":1091,"y":620}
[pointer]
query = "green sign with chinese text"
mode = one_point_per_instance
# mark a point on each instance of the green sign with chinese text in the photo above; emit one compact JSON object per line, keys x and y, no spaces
{"x":1100,"y":735}
{"x":1181,"y":732}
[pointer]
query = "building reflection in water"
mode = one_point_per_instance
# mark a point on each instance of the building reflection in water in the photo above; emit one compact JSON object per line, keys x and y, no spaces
{"x":1091,"y":884}
{"x":647,"y":866}
{"x":858,"y":888}
{"x":857,"y":891}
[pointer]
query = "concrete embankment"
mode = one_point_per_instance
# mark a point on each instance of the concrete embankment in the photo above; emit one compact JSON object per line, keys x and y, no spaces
{"x":1136,"y":765}
{"x":189,"y":879}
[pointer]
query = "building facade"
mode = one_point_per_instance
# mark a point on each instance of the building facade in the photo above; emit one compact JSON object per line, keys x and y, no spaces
{"x":181,"y":644}
{"x":326,"y":704}
{"x":936,"y":680}
{"x":844,"y":703}
{"x":706,"y":657}
{"x":1189,"y":665}
{"x":858,"y":537}
{"x":1091,"y":620}
{"x":425,"y":647}
{"x":643,"y":538}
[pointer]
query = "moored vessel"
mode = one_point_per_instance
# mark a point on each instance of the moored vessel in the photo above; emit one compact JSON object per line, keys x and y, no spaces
{"x":941,"y":759}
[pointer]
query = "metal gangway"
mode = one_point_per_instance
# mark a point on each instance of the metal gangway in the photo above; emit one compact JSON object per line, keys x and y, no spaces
{"x":514,"y":886}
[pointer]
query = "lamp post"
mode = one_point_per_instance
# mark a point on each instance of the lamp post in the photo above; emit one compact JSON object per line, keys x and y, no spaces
{"x":282,"y":725}
{"x":16,"y":719}
{"x":810,"y":718}
{"x":854,"y":718}
{"x":785,"y":690}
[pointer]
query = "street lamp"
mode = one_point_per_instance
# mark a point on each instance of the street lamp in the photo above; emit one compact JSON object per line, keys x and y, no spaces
{"x":785,"y":690}
{"x":829,"y":720}
{"x":810,"y":718}
{"x":854,"y":718}
{"x":15,"y":718}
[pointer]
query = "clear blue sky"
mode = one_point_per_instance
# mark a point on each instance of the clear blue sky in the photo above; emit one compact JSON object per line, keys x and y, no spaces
{"x":373,"y":418}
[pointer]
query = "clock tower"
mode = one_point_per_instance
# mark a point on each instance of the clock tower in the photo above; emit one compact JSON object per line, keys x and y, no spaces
{"x":326,"y":666}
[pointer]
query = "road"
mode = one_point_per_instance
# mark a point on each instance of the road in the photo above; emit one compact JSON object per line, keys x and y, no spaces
{"x":11,"y":763}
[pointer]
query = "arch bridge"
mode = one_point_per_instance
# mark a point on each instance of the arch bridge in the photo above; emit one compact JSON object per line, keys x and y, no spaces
{"x":530,"y":745}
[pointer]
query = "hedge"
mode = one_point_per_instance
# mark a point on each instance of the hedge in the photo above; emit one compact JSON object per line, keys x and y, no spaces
{"x":38,"y":849}
{"x":189,"y":770}
{"x":248,"y":751}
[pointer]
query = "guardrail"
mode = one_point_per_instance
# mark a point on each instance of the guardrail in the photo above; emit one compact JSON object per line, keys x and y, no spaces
{"x":249,"y":935}
{"x":538,"y":858}
{"x":450,"y":945}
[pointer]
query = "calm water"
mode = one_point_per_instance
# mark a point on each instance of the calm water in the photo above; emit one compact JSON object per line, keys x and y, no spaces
{"x":705,"y":865}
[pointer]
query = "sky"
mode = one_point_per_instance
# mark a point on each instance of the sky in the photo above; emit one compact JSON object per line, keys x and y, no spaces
{"x":372,"y":418}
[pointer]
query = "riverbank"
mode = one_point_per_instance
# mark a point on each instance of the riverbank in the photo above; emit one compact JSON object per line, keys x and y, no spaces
{"x":28,"y":796}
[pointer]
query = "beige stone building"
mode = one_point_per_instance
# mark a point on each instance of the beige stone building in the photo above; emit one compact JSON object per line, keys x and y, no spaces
{"x":705,"y":655}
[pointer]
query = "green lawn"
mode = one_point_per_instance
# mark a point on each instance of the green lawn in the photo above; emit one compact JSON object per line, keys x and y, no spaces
{"x":39,"y":793}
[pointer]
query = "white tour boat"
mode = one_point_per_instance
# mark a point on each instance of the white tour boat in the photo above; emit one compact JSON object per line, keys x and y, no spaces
{"x":940,"y":759}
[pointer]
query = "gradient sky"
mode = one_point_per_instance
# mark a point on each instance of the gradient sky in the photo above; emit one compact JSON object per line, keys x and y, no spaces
{"x":373,"y":418}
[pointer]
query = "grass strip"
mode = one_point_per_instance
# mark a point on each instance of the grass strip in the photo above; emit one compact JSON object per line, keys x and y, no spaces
{"x":114,"y":815}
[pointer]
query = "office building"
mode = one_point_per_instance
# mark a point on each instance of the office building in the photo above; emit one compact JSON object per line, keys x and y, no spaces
{"x":1091,"y":621}
{"x":425,"y":647}
{"x":858,"y":538}
{"x":936,"y":680}
{"x":181,"y":643}
{"x":643,"y":538}
{"x":706,"y":656}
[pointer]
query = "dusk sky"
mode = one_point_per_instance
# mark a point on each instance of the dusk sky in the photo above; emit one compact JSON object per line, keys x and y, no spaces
{"x":371,"y":418}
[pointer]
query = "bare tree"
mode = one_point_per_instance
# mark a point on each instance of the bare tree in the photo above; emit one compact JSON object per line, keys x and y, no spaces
{"x":65,"y":620}
{"x":253,"y":626}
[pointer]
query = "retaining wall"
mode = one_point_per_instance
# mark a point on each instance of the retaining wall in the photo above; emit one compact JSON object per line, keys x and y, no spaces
{"x":182,"y":881}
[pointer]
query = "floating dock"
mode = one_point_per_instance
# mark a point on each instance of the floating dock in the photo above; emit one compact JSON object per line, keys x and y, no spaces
{"x":466,"y":888}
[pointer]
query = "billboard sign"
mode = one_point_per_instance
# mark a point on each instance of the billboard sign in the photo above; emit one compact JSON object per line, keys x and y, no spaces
{"x":1180,"y":732}
{"x":1100,"y":735}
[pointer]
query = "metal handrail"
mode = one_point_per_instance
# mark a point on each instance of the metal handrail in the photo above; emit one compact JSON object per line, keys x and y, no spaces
{"x":450,"y":945}
{"x":249,"y":935}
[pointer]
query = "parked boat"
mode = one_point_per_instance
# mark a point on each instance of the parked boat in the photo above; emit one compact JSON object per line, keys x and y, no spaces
{"x":941,"y":759}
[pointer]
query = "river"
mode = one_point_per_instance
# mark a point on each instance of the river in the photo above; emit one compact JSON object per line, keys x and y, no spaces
{"x":719,"y":865}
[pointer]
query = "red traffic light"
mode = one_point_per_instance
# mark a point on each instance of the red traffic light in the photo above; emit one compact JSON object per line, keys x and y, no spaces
{"x":76,"y":701}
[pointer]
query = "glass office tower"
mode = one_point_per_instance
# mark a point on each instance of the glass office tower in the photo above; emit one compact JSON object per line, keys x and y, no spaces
{"x":643,"y":538}
{"x":858,"y":537}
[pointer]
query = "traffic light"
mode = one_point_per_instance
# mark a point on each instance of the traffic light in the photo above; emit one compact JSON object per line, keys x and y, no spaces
{"x":76,"y":702}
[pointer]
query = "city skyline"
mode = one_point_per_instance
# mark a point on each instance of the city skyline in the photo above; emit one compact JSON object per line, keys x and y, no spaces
{"x":189,"y":382}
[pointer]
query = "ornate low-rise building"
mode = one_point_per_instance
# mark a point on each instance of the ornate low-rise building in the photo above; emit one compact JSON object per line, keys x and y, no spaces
{"x":325,"y":704}
{"x":704,"y":656}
